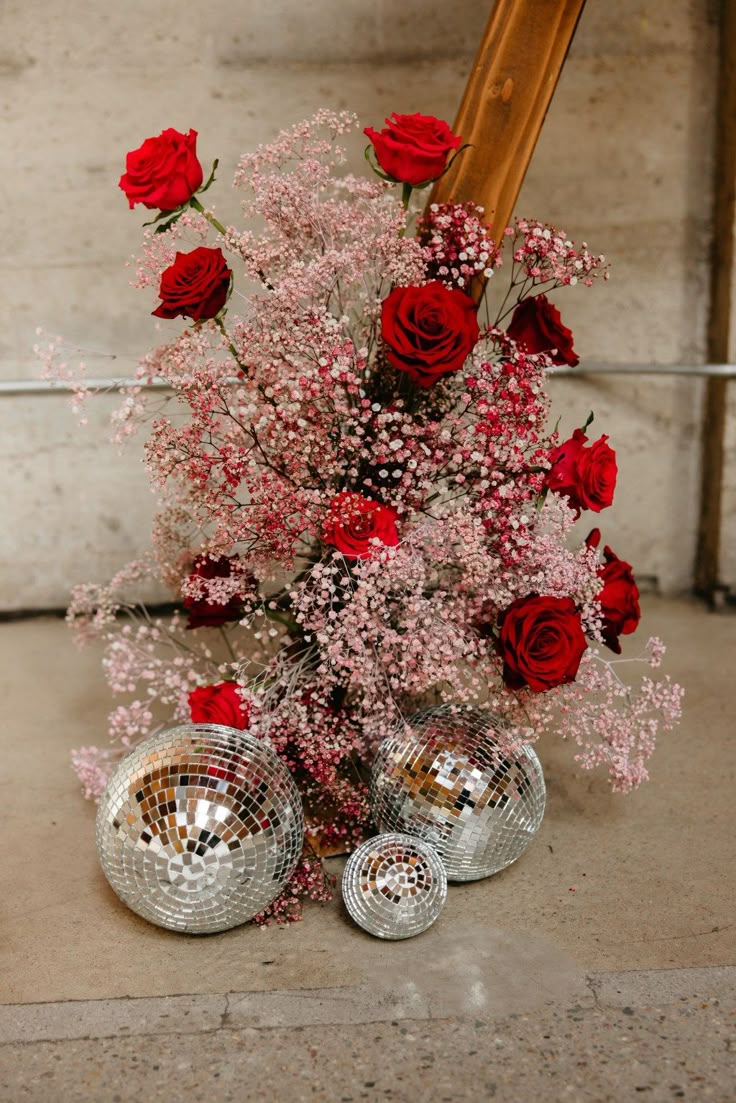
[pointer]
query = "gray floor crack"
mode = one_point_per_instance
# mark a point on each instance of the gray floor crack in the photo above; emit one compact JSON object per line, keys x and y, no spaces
{"x":593,"y":984}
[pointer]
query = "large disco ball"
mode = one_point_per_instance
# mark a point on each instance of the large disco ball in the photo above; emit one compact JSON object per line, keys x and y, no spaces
{"x":443,"y":778}
{"x":199,"y":828}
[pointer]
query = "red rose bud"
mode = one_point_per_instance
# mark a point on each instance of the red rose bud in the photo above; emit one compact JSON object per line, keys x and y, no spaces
{"x":619,"y":595}
{"x":220,"y":703}
{"x":204,"y":613}
{"x":541,"y":642}
{"x":536,"y":326}
{"x":586,"y":476}
{"x":355,"y":521}
{"x":164,"y":172}
{"x":428,"y":331}
{"x":413,"y":149}
{"x":195,"y":286}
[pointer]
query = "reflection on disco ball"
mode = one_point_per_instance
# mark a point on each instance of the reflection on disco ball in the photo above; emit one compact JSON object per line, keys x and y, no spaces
{"x":443,"y":779}
{"x":200,"y":828}
{"x":394,"y":886}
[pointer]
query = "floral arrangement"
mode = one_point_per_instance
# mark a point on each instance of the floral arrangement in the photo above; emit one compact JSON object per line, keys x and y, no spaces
{"x":362,"y":508}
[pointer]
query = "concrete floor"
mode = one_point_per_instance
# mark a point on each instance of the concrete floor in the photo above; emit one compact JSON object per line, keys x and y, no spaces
{"x":623,"y":988}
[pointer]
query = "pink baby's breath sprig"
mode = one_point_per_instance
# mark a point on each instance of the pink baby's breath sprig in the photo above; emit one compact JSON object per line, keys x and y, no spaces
{"x":547,"y":256}
{"x":308,"y":882}
{"x":64,"y":367}
{"x":159,"y":250}
{"x":458,"y":246}
{"x":93,"y":766}
{"x":543,"y":259}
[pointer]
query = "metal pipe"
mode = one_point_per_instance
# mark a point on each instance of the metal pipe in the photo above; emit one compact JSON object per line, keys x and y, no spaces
{"x":45,"y":387}
{"x":727,"y":371}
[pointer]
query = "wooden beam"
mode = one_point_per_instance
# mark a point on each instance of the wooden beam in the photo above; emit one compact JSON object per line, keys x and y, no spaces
{"x":721,"y":334}
{"x":505,"y":102}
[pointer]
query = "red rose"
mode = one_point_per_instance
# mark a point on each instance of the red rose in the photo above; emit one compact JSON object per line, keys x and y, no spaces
{"x":587,"y":476}
{"x":536,"y":326}
{"x":164,"y":173}
{"x":354,"y":521}
{"x":413,"y":149}
{"x":428,"y":331}
{"x":220,"y":703}
{"x":203,"y":612}
{"x":619,"y":595}
{"x":195,"y":286}
{"x":541,"y":642}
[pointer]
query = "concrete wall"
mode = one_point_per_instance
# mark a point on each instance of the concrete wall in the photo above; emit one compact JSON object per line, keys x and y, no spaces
{"x":624,"y":162}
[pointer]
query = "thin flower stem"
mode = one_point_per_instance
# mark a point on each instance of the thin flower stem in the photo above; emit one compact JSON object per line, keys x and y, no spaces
{"x":291,"y":626}
{"x":231,"y":347}
{"x":229,"y":646}
{"x":194,"y":202}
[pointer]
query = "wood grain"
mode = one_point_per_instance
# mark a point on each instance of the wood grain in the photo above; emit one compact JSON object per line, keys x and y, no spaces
{"x":721,"y":320}
{"x":505,"y":102}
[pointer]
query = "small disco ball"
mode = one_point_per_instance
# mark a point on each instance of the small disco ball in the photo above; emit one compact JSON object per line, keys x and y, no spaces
{"x":394,"y":886}
{"x":444,"y":779}
{"x":199,"y":828}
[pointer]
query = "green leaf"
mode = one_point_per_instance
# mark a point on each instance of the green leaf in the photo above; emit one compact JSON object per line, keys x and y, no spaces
{"x":591,"y":417}
{"x":167,"y":225}
{"x":166,"y":214}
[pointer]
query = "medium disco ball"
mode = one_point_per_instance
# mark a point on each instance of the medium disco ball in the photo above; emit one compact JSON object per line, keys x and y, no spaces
{"x":394,"y":886}
{"x":444,"y":779}
{"x":199,"y":828}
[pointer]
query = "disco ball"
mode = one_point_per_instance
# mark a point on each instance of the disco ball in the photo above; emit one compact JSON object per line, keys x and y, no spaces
{"x":199,"y":828}
{"x":394,"y":886}
{"x":444,"y":779}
